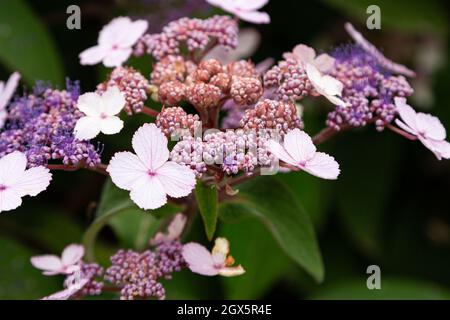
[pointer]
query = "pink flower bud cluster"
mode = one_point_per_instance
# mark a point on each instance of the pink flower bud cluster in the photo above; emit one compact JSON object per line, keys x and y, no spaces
{"x":195,"y":34}
{"x":175,"y":122}
{"x":132,"y":84}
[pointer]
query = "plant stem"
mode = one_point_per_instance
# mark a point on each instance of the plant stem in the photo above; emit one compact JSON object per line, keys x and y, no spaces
{"x":150,"y":112}
{"x":100,"y":168}
{"x":401,"y":132}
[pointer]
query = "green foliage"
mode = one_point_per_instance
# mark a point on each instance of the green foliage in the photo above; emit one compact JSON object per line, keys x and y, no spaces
{"x":18,"y":278}
{"x":25,"y":44}
{"x":207,"y":201}
{"x":398,"y":289}
{"x":261,"y":257}
{"x":132,"y":225}
{"x":274,"y":204}
{"x":365,"y":187}
{"x":407,"y":15}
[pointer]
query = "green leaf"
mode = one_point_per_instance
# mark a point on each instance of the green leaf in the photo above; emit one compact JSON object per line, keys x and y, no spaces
{"x":132,"y":225}
{"x":25,"y":44}
{"x":416,"y":15}
{"x":261,"y":257}
{"x":18,"y":278}
{"x":391,"y":288}
{"x":365,"y":186}
{"x":207,"y":203}
{"x":273,"y":202}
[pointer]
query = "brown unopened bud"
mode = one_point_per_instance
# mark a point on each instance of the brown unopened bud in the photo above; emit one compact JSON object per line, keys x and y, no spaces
{"x":272,"y":115}
{"x":172,"y":92}
{"x":221,"y":80}
{"x":245,"y":91}
{"x":203,"y":95}
{"x":242,"y":68}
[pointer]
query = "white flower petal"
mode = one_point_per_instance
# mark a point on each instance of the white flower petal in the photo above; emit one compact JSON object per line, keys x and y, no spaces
{"x":113,"y":33}
{"x":304,"y":53}
{"x":93,"y":55}
{"x":232,"y":271}
{"x":115,"y":58}
{"x":33,"y":181}
{"x":323,"y":166}
{"x":12,"y":167}
{"x":177,"y":180}
{"x":278,"y":150}
{"x":299,"y":146}
{"x":9,"y":200}
{"x":150,"y":145}
{"x":125,"y":169}
{"x":8,"y":90}
{"x":332,"y":86}
{"x":87,"y":128}
{"x":113,"y":101}
{"x":248,"y":5}
{"x":111,"y":125}
{"x":90,"y":104}
{"x":148,"y":193}
{"x":135,"y":30}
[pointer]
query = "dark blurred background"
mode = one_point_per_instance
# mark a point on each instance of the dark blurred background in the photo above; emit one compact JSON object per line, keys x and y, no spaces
{"x":389,"y":207}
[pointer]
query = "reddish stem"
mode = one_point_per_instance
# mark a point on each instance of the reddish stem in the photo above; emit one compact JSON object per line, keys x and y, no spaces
{"x":100,"y":168}
{"x":150,"y":112}
{"x":401,"y":132}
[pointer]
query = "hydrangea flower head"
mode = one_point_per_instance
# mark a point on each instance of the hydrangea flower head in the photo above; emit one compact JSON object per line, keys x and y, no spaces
{"x":299,"y":151}
{"x":427,"y":128}
{"x":6,"y":92}
{"x":148,"y":174}
{"x":16,"y":181}
{"x":216,"y":262}
{"x":67,"y":264}
{"x":305,"y":54}
{"x":326,"y":85}
{"x":100,"y":113}
{"x":246,"y":10}
{"x":115,"y":42}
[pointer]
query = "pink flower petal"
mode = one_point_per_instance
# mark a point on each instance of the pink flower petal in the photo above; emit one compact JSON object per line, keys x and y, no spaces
{"x":249,"y":5}
{"x":72,"y":254}
{"x":125,"y":169}
{"x":407,"y":114}
{"x":177,"y":180}
{"x":69,"y":292}
{"x":254,"y":16}
{"x":199,"y":259}
{"x":440,"y":148}
{"x":324,"y":62}
{"x":304,"y":53}
{"x":323,"y":166}
{"x":114,"y":32}
{"x":150,"y":145}
{"x":49,"y":263}
{"x":431,"y":126}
